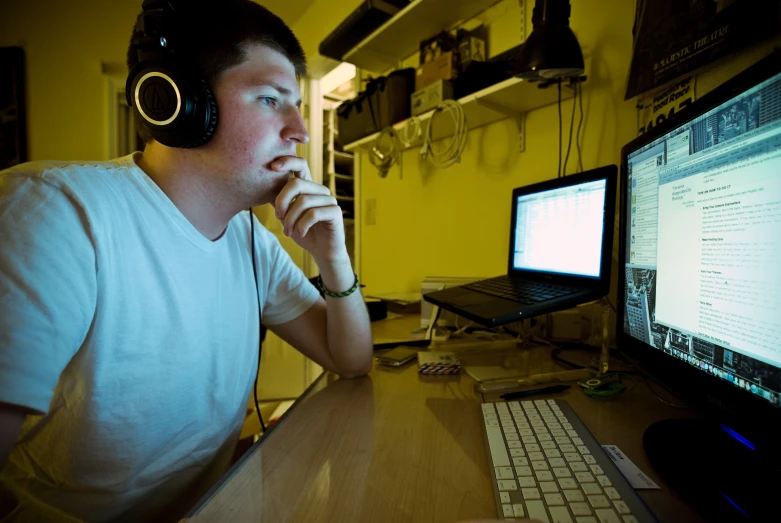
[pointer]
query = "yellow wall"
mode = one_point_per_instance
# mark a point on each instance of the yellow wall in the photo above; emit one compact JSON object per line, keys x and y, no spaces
{"x":455,"y":222}
{"x":65,"y":43}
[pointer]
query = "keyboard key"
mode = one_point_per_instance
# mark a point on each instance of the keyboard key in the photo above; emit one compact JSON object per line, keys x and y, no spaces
{"x":514,"y":444}
{"x":574,"y":495}
{"x":488,"y":407}
{"x":504,"y":473}
{"x":520,"y":462}
{"x":552,"y":453}
{"x":532,"y":447}
{"x":540,"y":465}
{"x":491,"y":423}
{"x":567,"y":426}
{"x":548,"y":487}
{"x":507,"y":510}
{"x":553,"y":500}
{"x":584,"y":477}
{"x":583,"y":449}
{"x":559,"y":515}
{"x":596,"y":469}
{"x":568,"y":483}
{"x":536,"y":510}
{"x":496,"y":445}
{"x":523,"y":471}
{"x":530,"y":493}
{"x":547,"y":445}
{"x":517,"y":453}
{"x":599,"y":501}
{"x":518,"y":510}
{"x":527,"y":482}
{"x":545,"y":437}
{"x":621,"y":508}
{"x":591,"y":488}
{"x":586,"y":519}
{"x":544,"y":475}
{"x":572,"y":456}
{"x":578,"y":466}
{"x":604,"y":481}
{"x":512,"y":437}
{"x":577,"y":441}
{"x":580,"y":509}
{"x":612,"y":493}
{"x":607,"y":516}
{"x":556,"y":462}
{"x":535,"y":456}
{"x":507,"y":485}
{"x":568,"y":448}
{"x":563,"y":440}
{"x":504,"y":497}
{"x":630,"y":519}
{"x":588,"y":458}
{"x":572,"y":434}
{"x":562,"y":472}
{"x":526,"y":432}
{"x":558,"y":432}
{"x":501,"y":408}
{"x":555,"y":425}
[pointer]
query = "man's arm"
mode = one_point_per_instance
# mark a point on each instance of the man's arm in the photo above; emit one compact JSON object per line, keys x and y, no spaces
{"x":334,"y":332}
{"x":11,"y":419}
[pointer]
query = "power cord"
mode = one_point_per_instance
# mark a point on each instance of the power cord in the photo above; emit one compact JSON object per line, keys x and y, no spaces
{"x":384,"y":160}
{"x":404,"y":137}
{"x":452,"y":153}
{"x":571,"y":125}
{"x":578,"y":135}
{"x":558,"y":171}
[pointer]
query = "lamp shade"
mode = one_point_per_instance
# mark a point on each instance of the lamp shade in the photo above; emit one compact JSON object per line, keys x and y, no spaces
{"x":552,"y":50}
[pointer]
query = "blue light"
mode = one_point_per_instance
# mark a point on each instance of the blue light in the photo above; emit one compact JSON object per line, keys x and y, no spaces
{"x":738,"y":437}
{"x":734,"y":504}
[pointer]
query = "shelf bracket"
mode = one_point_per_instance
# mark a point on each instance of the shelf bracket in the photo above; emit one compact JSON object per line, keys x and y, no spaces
{"x":518,"y":118}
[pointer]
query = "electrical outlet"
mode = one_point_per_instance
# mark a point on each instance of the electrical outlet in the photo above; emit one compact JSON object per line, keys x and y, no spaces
{"x":370,"y":211}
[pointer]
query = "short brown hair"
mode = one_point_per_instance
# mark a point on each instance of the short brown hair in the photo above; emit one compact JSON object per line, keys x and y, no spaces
{"x":214,"y":34}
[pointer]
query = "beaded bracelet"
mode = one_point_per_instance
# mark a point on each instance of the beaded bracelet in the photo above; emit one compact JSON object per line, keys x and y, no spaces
{"x":337,"y":294}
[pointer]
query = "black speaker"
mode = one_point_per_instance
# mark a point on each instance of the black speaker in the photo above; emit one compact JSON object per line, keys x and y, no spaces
{"x":173,"y":103}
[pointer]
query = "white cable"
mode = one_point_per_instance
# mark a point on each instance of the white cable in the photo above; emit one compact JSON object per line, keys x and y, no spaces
{"x":404,"y":132}
{"x":384,"y":160}
{"x":452,"y":153}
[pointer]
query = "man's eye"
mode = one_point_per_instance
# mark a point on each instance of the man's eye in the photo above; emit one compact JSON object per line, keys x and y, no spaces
{"x":267,"y":100}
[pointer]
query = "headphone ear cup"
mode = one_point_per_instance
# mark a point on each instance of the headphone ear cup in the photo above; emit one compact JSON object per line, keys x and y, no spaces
{"x":173,"y":107}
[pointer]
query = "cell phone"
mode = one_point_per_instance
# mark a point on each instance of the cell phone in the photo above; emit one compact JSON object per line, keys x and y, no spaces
{"x":398,"y":356}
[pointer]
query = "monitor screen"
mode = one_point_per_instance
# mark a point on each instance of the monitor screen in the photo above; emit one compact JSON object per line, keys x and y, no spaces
{"x":560,"y":230}
{"x":703,"y":242}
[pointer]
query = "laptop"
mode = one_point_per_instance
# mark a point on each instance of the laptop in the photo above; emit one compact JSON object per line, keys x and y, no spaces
{"x":561,"y":240}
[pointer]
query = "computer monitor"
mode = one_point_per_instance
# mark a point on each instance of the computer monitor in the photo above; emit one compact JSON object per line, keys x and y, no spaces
{"x":700,"y":288}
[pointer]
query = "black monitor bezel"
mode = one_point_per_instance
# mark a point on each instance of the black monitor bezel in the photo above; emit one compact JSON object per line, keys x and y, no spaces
{"x":752,"y":417}
{"x":609,"y":173}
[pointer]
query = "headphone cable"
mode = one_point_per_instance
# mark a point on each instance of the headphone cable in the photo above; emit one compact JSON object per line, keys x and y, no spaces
{"x":260,"y":323}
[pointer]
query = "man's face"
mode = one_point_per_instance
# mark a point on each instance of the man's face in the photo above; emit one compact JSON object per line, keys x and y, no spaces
{"x":258,"y":121}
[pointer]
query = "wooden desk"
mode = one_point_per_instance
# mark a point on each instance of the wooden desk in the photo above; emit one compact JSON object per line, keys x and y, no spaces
{"x":397,"y":446}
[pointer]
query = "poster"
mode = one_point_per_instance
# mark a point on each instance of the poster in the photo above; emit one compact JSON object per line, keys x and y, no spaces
{"x":655,"y":108}
{"x":673,"y":38}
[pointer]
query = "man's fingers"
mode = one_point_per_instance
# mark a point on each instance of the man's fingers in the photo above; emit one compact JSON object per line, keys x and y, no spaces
{"x":315,"y":215}
{"x":298,"y":166}
{"x":301,"y":205}
{"x":293,"y":189}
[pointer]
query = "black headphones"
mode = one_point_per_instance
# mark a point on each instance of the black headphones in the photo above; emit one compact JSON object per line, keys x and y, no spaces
{"x":171,"y":102}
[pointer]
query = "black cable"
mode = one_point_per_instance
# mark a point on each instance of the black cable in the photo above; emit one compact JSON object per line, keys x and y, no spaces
{"x":571,"y":125}
{"x":260,"y":323}
{"x":558,"y":172}
{"x":578,"y":136}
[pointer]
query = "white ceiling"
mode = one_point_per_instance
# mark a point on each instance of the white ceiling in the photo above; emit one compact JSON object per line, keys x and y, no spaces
{"x":288,"y":10}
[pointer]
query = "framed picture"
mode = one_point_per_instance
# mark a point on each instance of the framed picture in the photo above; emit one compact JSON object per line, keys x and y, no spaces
{"x":13,"y":124}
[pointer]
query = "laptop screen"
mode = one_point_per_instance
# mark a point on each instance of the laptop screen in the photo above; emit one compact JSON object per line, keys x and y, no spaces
{"x":560,"y":230}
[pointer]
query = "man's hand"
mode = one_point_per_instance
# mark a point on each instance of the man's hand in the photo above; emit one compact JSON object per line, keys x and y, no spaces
{"x":309,"y":214}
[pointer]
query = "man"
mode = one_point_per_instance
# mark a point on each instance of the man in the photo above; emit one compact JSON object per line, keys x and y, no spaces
{"x":129,"y":322}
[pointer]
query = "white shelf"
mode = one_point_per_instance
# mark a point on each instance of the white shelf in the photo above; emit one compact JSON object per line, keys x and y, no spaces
{"x":510,"y":98}
{"x":400,"y":36}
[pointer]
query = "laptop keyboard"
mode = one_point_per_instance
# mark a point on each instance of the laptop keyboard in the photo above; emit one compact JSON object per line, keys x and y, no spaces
{"x":526,"y":292}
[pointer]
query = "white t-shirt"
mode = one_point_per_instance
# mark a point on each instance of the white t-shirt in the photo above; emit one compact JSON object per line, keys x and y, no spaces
{"x":133,"y":335}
